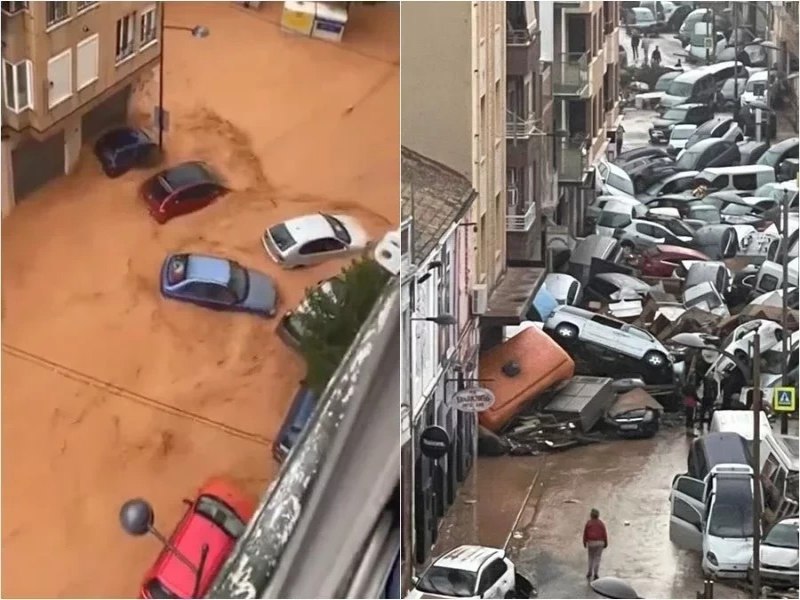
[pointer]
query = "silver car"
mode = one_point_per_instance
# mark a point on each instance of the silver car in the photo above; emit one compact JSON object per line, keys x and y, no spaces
{"x":640,"y":234}
{"x":313,"y":239}
{"x":570,"y":324}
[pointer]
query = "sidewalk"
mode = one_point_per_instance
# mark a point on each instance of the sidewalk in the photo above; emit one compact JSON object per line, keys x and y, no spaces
{"x":488,"y":503}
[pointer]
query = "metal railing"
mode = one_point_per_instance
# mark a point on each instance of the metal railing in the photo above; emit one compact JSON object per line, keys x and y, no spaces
{"x":521,"y":222}
{"x":519,"y":127}
{"x":571,"y":73}
{"x":518,"y":37}
{"x":572,"y":159}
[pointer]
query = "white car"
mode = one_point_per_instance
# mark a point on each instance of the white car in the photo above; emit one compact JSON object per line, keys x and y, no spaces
{"x":679,"y":136}
{"x":467,"y":572}
{"x":564,"y":288}
{"x":312,"y":239}
{"x":779,"y":554}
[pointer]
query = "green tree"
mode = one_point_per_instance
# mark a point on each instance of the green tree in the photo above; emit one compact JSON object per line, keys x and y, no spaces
{"x":332,"y":321}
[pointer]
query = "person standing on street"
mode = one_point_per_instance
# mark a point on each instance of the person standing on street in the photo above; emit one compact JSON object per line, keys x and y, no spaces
{"x":645,"y":50}
{"x":656,"y":58}
{"x":618,"y":138}
{"x":689,"y":407}
{"x":635,"y":44}
{"x":595,"y":540}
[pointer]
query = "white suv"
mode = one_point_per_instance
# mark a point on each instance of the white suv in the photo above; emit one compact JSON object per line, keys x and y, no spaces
{"x":467,"y":572}
{"x":570,"y":324}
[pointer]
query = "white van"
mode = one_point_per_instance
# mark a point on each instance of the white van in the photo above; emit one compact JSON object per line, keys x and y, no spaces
{"x":742,"y":178}
{"x":779,"y":476}
{"x":755,"y":89}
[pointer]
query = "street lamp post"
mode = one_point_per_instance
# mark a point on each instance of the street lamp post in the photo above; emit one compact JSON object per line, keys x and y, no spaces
{"x":198,"y":31}
{"x":702,"y":342}
{"x":785,"y":304}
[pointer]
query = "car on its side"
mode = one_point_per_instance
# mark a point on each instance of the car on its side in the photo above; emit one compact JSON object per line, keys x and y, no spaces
{"x":218,"y":283}
{"x":216,"y":519}
{"x":180,"y":190}
{"x":312,"y":239}
{"x":689,"y":114}
{"x":675,"y":183}
{"x":779,"y":152}
{"x":569,"y":324}
{"x":779,"y":554}
{"x":662,"y":260}
{"x":124,"y":148}
{"x":467,"y":572}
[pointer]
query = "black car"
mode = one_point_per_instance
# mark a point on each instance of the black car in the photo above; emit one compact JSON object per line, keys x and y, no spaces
{"x":302,"y":408}
{"x":779,"y":152}
{"x":711,"y":152}
{"x":717,"y":127}
{"x":692,"y":114}
{"x":638,"y":153}
{"x":123,"y":149}
{"x":751,"y":151}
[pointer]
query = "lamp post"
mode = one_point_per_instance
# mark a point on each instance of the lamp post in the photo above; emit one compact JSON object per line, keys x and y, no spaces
{"x":785,"y":303}
{"x":198,"y":31}
{"x":702,"y":342}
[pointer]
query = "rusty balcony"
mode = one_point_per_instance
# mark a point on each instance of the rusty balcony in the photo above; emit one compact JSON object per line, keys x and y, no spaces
{"x":571,"y":73}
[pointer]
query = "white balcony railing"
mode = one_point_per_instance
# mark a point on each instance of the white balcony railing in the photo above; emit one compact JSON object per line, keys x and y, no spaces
{"x":522,"y":222}
{"x":519,"y":127}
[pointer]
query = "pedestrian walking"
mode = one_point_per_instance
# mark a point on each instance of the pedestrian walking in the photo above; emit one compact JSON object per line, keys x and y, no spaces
{"x":618,"y":138}
{"x":679,"y":64}
{"x":635,"y":39}
{"x":656,"y":58}
{"x":595,"y":540}
{"x":645,"y":50}
{"x":689,"y":407}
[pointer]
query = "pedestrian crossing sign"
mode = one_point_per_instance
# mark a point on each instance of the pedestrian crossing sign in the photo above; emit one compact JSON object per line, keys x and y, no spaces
{"x":784,"y":399}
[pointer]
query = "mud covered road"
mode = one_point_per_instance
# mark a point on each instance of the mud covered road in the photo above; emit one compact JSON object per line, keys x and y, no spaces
{"x":108,"y":390}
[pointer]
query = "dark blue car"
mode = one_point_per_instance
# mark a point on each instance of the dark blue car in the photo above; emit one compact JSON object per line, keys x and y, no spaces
{"x":123,"y":149}
{"x":303,"y":405}
{"x":218,"y":283}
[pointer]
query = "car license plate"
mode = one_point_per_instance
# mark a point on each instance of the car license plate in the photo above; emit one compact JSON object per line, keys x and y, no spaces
{"x":629,"y":426}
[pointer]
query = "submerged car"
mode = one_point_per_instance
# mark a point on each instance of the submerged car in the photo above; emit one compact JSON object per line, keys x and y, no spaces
{"x":123,"y":149}
{"x":564,"y":288}
{"x":218,"y":283}
{"x":215,"y":520}
{"x":682,"y":114}
{"x":779,"y":554}
{"x":635,"y":414}
{"x":312,"y":239}
{"x":181,"y":190}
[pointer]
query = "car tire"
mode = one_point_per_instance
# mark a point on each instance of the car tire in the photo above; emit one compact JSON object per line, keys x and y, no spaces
{"x":566,"y":331}
{"x":655,"y":360}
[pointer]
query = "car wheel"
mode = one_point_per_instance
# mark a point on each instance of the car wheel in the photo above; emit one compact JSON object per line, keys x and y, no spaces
{"x":654,"y":359}
{"x":566,"y":331}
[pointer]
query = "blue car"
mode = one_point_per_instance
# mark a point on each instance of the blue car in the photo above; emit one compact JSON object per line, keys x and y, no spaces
{"x":303,"y":405}
{"x":123,"y":149}
{"x":218,"y":283}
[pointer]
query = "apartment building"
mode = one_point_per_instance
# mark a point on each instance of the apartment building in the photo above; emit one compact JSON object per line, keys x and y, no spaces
{"x":68,"y":72}
{"x":584,"y":38}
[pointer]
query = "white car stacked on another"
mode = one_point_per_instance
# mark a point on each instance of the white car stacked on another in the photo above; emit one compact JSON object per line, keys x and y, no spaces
{"x":313,"y":239}
{"x":780,"y":555}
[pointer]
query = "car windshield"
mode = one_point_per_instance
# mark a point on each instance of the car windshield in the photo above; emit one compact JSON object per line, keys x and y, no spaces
{"x":619,"y":182}
{"x":662,"y":85}
{"x":281,"y":237}
{"x":783,"y":535}
{"x":677,"y":227}
{"x":694,"y":297}
{"x":681,"y":89}
{"x":221,"y":515}
{"x":766,"y":190}
{"x":447,"y":582}
{"x":339,"y":230}
{"x":613,"y":219}
{"x":156,"y":589}
{"x":731,"y":521}
{"x":239,"y":281}
{"x":675,"y":114}
{"x":682,"y":133}
{"x":688,"y":159}
{"x":770,"y":158}
{"x":160,"y":188}
{"x":705,"y":214}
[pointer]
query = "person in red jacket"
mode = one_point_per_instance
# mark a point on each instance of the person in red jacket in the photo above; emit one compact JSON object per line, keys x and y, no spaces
{"x":595,"y":540}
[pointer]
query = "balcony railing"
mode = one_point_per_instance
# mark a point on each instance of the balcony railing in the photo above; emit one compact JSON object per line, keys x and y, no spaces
{"x":572,"y":159}
{"x":519,"y":127}
{"x":521,"y":222}
{"x":571,"y":73}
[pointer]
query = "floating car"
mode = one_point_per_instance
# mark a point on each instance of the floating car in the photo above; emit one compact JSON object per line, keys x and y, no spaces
{"x":218,"y":283}
{"x":312,"y":239}
{"x":611,"y":287}
{"x":181,"y":190}
{"x":215,"y":519}
{"x":303,"y":405}
{"x":123,"y":149}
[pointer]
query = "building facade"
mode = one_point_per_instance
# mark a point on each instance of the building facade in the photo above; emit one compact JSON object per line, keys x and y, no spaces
{"x":437,"y":241}
{"x":68,"y":73}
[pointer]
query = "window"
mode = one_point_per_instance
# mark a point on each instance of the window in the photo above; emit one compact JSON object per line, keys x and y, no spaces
{"x":125,"y":38}
{"x":59,"y":74}
{"x":56,"y":12}
{"x":87,"y":63}
{"x":13,"y":7}
{"x":648,"y":230}
{"x":686,"y":512}
{"x":745,"y":181}
{"x":606,"y":322}
{"x":17,"y":83}
{"x":492,"y":573}
{"x":84,"y":5}
{"x":769,"y":283}
{"x":147,"y":28}
{"x":323,"y":245}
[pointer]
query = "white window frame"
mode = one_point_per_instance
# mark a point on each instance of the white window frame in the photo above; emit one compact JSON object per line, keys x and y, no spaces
{"x":12,"y":8}
{"x":145,"y":43}
{"x":119,"y":57}
{"x":50,"y":25}
{"x":82,"y":7}
{"x":12,"y":94}
{"x":53,"y":102}
{"x":79,"y":85}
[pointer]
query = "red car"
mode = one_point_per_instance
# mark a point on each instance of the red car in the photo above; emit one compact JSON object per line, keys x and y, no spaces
{"x":216,"y":518}
{"x":660,"y":261}
{"x":180,"y":190}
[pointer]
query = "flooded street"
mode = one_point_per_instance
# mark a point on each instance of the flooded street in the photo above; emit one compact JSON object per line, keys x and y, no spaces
{"x":110,"y":391}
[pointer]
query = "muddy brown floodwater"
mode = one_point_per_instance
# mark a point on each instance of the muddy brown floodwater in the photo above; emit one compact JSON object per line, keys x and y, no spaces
{"x":110,"y":391}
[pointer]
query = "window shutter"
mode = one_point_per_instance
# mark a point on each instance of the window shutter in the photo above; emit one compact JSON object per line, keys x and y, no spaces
{"x":59,"y":73}
{"x":87,"y":68}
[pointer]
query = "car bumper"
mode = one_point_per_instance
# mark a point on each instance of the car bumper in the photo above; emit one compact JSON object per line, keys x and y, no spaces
{"x":726,"y":570}
{"x":777,"y":577}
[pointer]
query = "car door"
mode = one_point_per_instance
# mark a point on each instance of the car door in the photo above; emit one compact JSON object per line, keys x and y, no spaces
{"x":491,"y":579}
{"x":687,"y":513}
{"x":647,"y":235}
{"x":319,"y":250}
{"x":215,"y":295}
{"x":603,"y":332}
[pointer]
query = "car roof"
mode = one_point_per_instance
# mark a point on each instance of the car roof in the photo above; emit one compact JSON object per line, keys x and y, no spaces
{"x":721,"y":66}
{"x":688,"y":105}
{"x":208,"y":268}
{"x":758,"y":76}
{"x":309,"y":227}
{"x":468,"y":558}
{"x":188,"y":173}
{"x":735,"y":170}
{"x":784,"y":145}
{"x":691,"y":76}
{"x":123,"y":135}
{"x":668,"y":249}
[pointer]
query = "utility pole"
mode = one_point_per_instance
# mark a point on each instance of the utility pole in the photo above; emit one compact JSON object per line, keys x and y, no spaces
{"x":756,"y":345}
{"x":735,"y":58}
{"x":784,"y":303}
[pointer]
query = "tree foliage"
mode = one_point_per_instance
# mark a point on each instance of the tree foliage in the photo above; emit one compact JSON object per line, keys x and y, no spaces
{"x":332,"y":321}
